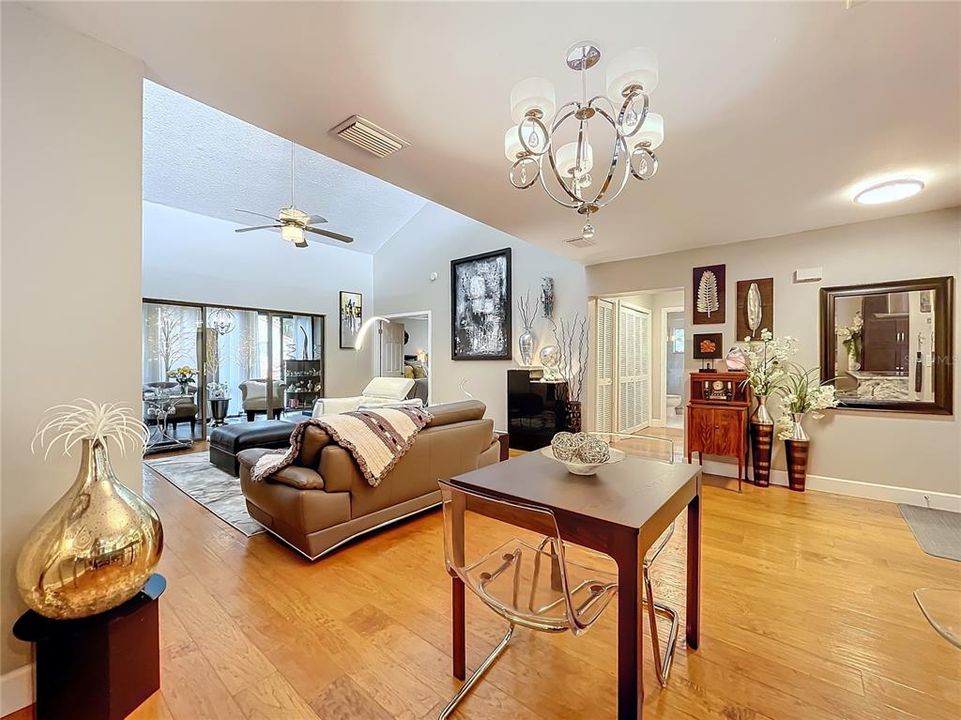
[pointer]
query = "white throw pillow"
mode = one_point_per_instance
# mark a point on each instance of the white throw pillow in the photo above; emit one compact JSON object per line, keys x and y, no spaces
{"x":389,"y":388}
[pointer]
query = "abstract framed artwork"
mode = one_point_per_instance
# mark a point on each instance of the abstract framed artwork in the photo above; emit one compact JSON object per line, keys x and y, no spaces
{"x":351,"y":318}
{"x":709,"y":295}
{"x":480,"y":303}
{"x":755,"y":307}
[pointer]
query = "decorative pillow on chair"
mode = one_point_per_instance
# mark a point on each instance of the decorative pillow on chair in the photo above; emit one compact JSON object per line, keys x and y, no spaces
{"x":420,"y":371}
{"x":409,"y":372}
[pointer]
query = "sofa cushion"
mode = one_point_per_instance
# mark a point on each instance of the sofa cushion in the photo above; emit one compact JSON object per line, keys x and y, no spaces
{"x":457,"y":412}
{"x":389,"y":388}
{"x":256,"y":390}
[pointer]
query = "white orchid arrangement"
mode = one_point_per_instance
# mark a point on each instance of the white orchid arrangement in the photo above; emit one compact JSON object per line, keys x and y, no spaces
{"x":801,"y":393}
{"x":766,"y":361}
{"x":87,"y":420}
{"x":850,"y":337}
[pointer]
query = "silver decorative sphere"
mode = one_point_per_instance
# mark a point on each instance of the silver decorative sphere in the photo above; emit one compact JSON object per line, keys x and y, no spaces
{"x":564,"y":446}
{"x":594,"y":452}
{"x":550,"y":356}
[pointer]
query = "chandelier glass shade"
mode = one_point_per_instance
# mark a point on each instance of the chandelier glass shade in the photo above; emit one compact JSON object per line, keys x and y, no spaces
{"x":584,"y":152}
{"x":221,"y":320}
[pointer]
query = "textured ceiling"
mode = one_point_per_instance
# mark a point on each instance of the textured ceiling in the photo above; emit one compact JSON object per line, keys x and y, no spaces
{"x":199,"y":159}
{"x":773,"y":111}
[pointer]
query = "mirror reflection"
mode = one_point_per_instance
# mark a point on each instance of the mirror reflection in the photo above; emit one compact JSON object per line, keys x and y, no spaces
{"x":885,"y":348}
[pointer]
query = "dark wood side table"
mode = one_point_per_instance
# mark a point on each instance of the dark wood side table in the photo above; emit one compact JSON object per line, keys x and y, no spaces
{"x":718,"y":418}
{"x":101,"y":667}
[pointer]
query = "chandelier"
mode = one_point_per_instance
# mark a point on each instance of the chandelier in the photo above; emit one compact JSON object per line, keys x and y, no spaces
{"x":622,"y":116}
{"x":221,"y":320}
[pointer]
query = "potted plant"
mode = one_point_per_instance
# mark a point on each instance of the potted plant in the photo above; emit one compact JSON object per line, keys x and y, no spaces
{"x":219,"y":398}
{"x":801,"y":393}
{"x":851,"y":338}
{"x":765,"y":364}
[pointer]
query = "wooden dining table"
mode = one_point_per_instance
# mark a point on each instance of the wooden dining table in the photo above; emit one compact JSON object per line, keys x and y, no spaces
{"x":621,"y":511}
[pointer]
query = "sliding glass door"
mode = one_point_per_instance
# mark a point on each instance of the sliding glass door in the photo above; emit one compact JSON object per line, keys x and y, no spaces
{"x":248,"y":363}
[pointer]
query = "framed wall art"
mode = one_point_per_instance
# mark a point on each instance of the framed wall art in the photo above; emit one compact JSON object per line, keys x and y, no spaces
{"x":709,"y":295}
{"x":351,"y":318}
{"x":480,"y":303}
{"x":755,"y":307}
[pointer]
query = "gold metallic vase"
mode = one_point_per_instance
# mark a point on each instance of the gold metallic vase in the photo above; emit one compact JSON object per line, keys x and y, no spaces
{"x":94,"y":549}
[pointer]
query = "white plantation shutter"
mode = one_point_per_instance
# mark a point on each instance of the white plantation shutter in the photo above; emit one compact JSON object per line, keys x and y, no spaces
{"x":605,"y":366}
{"x":633,"y":369}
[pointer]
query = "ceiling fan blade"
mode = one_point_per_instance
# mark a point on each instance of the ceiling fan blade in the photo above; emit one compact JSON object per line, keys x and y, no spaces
{"x":327,"y":233}
{"x":251,"y":212}
{"x":315,"y":219}
{"x":258,"y":227}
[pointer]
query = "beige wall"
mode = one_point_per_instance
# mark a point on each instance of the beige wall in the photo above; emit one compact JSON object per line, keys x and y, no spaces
{"x":427,"y":244}
{"x":913,"y":451}
{"x":71,"y":155}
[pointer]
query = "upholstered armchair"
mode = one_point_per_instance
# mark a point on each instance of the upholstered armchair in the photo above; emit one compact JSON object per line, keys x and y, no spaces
{"x":185,"y":408}
{"x":254,"y":397}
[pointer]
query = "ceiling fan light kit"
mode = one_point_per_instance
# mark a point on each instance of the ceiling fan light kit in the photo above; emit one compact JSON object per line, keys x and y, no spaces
{"x":294,"y":223}
{"x":623,"y":113}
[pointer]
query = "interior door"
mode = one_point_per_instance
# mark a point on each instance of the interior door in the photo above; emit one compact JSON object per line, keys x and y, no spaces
{"x":633,"y":369}
{"x":392,"y":350}
{"x":605,"y":366}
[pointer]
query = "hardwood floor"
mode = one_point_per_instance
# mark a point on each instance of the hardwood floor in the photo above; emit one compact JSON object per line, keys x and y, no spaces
{"x":807,"y":614}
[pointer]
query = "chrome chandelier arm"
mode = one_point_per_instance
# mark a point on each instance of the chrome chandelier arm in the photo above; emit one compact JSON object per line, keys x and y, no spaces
{"x":552,"y":196}
{"x":619,"y":144}
{"x":627,"y":103}
{"x":542,"y":128}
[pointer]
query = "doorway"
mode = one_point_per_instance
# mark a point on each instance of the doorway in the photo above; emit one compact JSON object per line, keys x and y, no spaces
{"x":640,"y":363}
{"x":405,"y":351}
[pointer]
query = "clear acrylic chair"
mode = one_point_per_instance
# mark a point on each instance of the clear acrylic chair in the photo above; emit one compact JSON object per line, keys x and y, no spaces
{"x":529,"y":580}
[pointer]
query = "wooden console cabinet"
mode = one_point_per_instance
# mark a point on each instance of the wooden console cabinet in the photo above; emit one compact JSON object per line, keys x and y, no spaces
{"x":718,"y":417}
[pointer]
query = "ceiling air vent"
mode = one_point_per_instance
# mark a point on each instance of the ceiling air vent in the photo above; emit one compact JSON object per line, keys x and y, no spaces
{"x":372,"y":138}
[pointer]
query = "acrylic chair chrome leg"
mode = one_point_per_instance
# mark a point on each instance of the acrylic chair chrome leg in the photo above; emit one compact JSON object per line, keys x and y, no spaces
{"x":662,"y":665}
{"x":476,"y":675}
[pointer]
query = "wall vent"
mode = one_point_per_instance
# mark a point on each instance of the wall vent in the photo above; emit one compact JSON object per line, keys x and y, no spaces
{"x":372,"y":138}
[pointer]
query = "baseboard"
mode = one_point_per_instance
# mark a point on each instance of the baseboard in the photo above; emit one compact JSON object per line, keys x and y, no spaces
{"x":656,"y":422}
{"x":854,"y":488}
{"x":16,"y":689}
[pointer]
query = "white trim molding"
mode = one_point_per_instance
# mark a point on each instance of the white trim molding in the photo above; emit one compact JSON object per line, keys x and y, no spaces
{"x":853,"y":488}
{"x":16,"y":689}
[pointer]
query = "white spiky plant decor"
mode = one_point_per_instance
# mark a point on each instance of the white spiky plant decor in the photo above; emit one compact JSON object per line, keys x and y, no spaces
{"x":87,"y":420}
{"x":96,"y":547}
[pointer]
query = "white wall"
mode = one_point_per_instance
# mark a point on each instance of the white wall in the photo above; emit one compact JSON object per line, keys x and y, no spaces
{"x":890,"y":449}
{"x":201,"y":259}
{"x":427,"y":244}
{"x":71,"y":154}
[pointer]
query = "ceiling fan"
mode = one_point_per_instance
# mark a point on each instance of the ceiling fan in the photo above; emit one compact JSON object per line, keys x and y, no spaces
{"x":294,"y":223}
{"x":585,"y":239}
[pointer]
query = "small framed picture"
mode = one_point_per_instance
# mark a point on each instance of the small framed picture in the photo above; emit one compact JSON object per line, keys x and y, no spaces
{"x":351,"y":318}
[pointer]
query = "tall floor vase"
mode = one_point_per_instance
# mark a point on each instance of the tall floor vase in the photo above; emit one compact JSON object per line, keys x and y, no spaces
{"x":797,"y":448}
{"x":762,"y":441}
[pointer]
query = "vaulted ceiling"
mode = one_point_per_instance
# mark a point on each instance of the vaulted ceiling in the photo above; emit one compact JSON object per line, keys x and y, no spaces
{"x":773,"y":111}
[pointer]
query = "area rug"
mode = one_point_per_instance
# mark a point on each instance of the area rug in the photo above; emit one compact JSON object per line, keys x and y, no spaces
{"x":216,"y":490}
{"x":938,"y":532}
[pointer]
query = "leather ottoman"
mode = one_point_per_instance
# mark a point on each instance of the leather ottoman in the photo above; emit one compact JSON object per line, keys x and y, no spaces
{"x":226,"y":442}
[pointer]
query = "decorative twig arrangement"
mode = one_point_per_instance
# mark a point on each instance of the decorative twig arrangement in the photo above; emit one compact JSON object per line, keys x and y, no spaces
{"x":528,"y":309}
{"x":86,"y":420}
{"x":572,"y":341}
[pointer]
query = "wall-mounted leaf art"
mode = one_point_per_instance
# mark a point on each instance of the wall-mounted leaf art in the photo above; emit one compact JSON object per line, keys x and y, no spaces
{"x":755,"y":307}
{"x":709,"y":295}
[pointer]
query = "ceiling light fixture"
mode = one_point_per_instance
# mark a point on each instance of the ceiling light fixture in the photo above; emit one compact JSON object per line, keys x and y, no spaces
{"x":631,"y":77}
{"x":221,"y":320}
{"x":889,"y":191}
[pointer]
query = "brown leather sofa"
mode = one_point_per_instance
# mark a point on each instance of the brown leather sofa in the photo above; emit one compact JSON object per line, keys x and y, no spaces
{"x":322,"y":500}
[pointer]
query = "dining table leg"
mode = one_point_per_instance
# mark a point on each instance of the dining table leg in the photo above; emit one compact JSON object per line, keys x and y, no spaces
{"x":459,"y":629}
{"x":694,"y":571}
{"x":630,"y":635}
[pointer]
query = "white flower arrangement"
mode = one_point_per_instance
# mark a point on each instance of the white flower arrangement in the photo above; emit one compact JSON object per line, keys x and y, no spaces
{"x":850,"y":337}
{"x":87,"y":420}
{"x":217,"y":391}
{"x":801,"y":393}
{"x":766,"y":360}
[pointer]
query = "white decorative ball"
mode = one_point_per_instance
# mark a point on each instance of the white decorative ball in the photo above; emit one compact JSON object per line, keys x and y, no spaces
{"x":594,"y":451}
{"x":564,"y":446}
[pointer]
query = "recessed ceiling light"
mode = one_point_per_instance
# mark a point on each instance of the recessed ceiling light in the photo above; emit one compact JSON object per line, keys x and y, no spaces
{"x":889,"y":191}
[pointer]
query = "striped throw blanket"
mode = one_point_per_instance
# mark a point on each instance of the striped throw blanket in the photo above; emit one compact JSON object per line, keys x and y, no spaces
{"x":377,"y":439}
